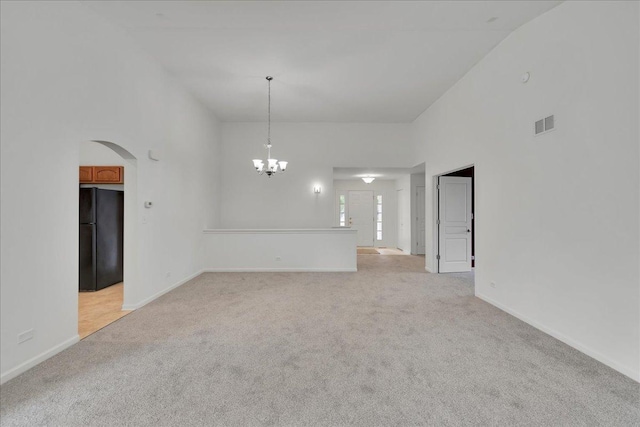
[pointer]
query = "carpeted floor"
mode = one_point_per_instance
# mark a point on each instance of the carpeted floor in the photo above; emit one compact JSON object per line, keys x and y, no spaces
{"x":388,"y":345}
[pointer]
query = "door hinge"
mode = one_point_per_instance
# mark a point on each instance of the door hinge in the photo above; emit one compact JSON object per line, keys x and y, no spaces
{"x":473,"y":257}
{"x":438,"y":222}
{"x":437,"y":257}
{"x":438,"y":186}
{"x":471,"y":216}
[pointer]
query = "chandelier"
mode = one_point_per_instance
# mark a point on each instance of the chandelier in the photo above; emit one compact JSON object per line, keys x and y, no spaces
{"x":271,"y":164}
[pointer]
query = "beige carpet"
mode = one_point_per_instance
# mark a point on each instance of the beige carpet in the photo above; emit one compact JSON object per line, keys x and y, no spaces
{"x":388,"y":345}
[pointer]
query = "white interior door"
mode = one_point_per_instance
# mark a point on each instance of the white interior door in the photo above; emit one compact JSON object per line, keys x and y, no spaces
{"x":420,"y":221}
{"x":454,"y":228}
{"x":361,"y":215}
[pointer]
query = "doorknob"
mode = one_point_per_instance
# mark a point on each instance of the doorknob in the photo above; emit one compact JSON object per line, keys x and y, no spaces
{"x":468,"y":231}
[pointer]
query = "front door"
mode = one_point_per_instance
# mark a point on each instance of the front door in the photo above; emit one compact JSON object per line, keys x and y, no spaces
{"x":454,"y":230}
{"x":361,"y":215}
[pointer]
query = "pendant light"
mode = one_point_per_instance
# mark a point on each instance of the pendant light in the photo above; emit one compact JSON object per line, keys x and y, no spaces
{"x":272,"y":165}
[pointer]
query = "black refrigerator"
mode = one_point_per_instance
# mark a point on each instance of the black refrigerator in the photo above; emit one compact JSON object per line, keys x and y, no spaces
{"x":101,"y":238}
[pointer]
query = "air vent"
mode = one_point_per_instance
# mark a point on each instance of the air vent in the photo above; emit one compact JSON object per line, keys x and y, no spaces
{"x":548,"y":123}
{"x":544,"y":125}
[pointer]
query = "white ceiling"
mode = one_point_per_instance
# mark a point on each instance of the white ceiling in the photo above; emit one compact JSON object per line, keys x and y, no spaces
{"x":332,"y":61}
{"x":378,"y":173}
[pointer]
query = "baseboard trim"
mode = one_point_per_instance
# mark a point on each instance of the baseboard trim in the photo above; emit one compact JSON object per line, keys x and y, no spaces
{"x":162,"y":292}
{"x":634,"y":375}
{"x":25,"y":366}
{"x":234,"y":270}
{"x":279,"y":270}
{"x":428,"y":270}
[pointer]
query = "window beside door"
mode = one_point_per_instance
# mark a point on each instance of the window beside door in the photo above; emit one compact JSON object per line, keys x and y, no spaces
{"x":342,"y":214}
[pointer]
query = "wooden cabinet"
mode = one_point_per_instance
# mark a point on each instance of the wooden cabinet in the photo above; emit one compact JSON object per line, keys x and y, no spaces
{"x":101,"y":174}
{"x":104,"y":174}
{"x":86,"y":174}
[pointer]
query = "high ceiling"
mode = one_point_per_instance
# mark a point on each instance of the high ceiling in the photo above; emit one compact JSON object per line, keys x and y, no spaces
{"x":378,"y":173}
{"x":332,"y":61}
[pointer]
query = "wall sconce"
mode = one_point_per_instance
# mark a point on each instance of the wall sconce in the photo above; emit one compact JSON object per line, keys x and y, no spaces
{"x":317,"y":189}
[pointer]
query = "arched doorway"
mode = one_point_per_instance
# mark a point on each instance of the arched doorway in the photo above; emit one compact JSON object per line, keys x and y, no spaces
{"x":102,"y":307}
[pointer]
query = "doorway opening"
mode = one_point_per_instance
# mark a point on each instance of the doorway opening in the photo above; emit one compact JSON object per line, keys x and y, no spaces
{"x":384,"y":205}
{"x":417,"y":181}
{"x":455,"y":220}
{"x":107,"y":199}
{"x":368,"y":208}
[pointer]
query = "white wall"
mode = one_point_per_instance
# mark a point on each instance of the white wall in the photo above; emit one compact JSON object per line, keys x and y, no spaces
{"x":403,"y":191}
{"x":68,"y":77}
{"x":313,"y":150}
{"x":557,"y":216}
{"x":321,"y":250}
{"x":95,"y":154}
{"x":384,"y":187}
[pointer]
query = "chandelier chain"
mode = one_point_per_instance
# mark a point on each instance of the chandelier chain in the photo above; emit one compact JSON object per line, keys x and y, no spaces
{"x":269,"y":110}
{"x":271,"y":165}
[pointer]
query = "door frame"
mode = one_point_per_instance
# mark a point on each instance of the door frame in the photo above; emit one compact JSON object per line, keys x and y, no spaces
{"x":436,"y":212}
{"x":132,"y":285}
{"x":415,"y":222}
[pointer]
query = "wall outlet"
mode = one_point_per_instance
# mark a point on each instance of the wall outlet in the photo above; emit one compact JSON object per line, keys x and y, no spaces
{"x":493,"y":284}
{"x":25,"y":336}
{"x":278,"y":258}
